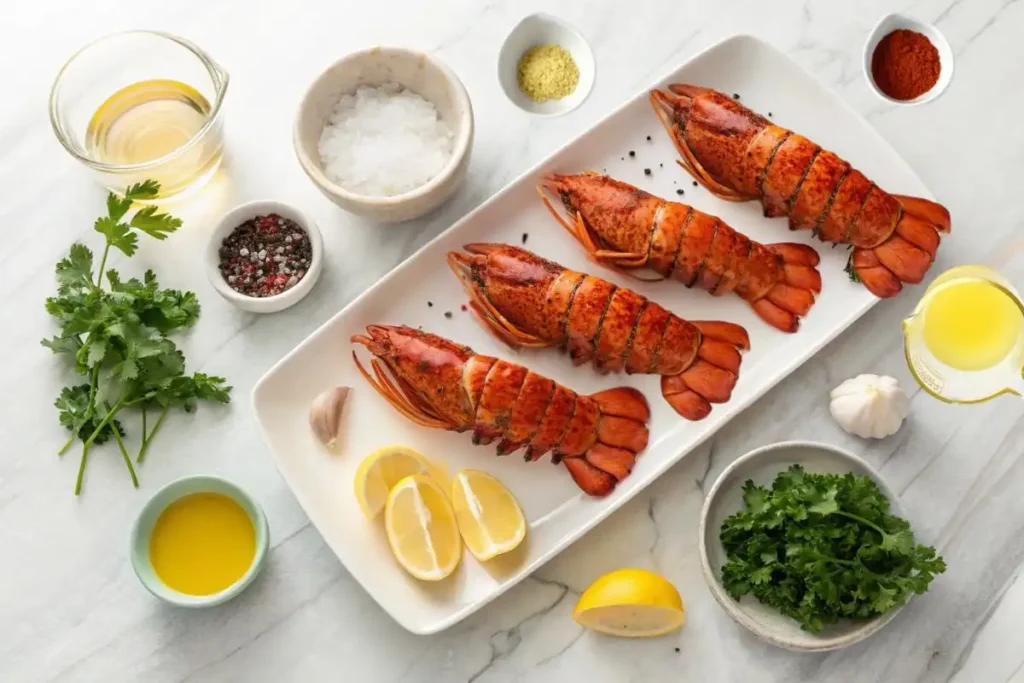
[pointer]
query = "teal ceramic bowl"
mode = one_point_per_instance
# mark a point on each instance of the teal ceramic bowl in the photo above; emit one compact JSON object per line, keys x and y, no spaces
{"x":143,"y":528}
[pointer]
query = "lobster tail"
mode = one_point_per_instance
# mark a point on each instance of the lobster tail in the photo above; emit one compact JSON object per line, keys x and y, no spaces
{"x":528,"y":301}
{"x":739,"y":155}
{"x":437,"y":383}
{"x":625,"y":227}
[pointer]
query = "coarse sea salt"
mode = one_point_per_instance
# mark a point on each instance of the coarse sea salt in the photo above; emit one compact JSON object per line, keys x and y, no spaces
{"x":384,"y":141}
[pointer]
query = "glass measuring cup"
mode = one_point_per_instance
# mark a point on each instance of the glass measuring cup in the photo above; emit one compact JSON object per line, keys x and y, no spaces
{"x":110,"y":64}
{"x":956,"y":385}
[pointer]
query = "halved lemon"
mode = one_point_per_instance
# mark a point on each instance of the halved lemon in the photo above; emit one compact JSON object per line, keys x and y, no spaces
{"x":421,"y":528}
{"x":632,"y":603}
{"x":381,"y":470}
{"x":489,"y":516}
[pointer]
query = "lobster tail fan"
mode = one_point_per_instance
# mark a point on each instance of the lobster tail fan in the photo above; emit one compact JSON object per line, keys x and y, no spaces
{"x":621,"y":434}
{"x":927,"y":210}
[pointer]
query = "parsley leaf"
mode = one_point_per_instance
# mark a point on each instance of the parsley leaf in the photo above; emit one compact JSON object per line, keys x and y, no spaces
{"x":118,"y":234}
{"x":147,"y":189}
{"x":165,"y":310}
{"x":823,"y":547}
{"x":74,"y":271}
{"x":118,"y":336}
{"x":154,"y":224}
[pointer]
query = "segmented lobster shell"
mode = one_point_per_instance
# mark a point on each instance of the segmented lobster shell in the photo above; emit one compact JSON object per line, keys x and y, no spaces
{"x":740,"y":155}
{"x":527,"y":300}
{"x":438,"y":383}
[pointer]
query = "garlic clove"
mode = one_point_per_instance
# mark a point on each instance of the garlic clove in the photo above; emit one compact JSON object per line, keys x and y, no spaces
{"x":325,"y":415}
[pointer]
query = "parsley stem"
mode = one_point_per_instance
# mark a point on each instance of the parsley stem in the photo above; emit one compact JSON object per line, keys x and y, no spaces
{"x":829,"y":558}
{"x":89,"y":411}
{"x":67,"y":444}
{"x":103,"y":422}
{"x":124,"y":454}
{"x":863,"y":521}
{"x":92,"y":391}
{"x":81,"y":469}
{"x":103,"y":264}
{"x":143,"y":424}
{"x":147,"y":438}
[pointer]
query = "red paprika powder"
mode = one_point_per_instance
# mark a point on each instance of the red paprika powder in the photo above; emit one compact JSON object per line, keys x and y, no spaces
{"x":905,"y":65}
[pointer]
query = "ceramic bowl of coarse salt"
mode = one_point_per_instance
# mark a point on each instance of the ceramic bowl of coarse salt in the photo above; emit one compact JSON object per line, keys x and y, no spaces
{"x":385,"y":133}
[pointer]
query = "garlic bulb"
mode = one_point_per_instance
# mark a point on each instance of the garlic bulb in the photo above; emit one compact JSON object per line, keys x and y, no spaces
{"x":869,"y":406}
{"x":325,"y":415}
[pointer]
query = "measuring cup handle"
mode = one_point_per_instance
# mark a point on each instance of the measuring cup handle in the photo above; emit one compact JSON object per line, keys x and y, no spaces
{"x":218,"y":73}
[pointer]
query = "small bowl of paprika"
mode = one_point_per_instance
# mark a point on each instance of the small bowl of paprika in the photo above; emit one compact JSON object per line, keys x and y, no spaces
{"x":907,"y":61}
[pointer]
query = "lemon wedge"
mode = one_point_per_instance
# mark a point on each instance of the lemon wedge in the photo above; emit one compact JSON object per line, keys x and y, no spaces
{"x":489,"y":516}
{"x":632,"y":603}
{"x":421,"y":528}
{"x":381,"y":470}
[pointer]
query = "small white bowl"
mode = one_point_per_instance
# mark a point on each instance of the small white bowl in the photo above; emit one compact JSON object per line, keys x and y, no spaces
{"x":726,"y":498}
{"x":893,"y":22}
{"x":142,"y":529}
{"x":271,"y":304}
{"x":416,"y":71}
{"x":543,"y":29}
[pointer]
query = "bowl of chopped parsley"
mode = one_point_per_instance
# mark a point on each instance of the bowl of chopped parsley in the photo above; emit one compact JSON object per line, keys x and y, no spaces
{"x":804,"y":545}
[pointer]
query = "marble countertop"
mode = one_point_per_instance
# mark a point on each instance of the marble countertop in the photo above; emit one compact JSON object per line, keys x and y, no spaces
{"x":71,"y":608}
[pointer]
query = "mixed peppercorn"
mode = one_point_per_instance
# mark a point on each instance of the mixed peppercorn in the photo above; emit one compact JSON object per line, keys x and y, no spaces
{"x":265,"y":256}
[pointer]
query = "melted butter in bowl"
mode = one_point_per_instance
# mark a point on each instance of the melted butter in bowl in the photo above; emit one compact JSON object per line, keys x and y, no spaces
{"x":202,"y":543}
{"x":199,"y":542}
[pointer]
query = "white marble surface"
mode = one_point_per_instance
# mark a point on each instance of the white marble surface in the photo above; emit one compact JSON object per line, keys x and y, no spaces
{"x":70,"y":607}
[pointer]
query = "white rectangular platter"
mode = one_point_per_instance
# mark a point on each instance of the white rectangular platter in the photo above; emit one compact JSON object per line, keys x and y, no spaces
{"x":556,"y":511}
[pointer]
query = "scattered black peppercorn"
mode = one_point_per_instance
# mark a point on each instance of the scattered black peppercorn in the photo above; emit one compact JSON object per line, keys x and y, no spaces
{"x":447,"y":314}
{"x":679,"y":192}
{"x":647,"y":171}
{"x":769,"y":114}
{"x":677,"y":649}
{"x":632,"y":153}
{"x":526,"y":235}
{"x":695,"y":183}
{"x":660,"y":165}
{"x":735,"y":96}
{"x":648,"y":138}
{"x":430,"y":304}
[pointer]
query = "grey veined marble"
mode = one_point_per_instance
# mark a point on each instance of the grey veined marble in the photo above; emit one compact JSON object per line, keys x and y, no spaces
{"x":70,"y":607}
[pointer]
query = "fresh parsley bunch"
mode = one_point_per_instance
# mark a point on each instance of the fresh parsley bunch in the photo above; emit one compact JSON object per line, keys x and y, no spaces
{"x":820,"y":547}
{"x":117,"y":336}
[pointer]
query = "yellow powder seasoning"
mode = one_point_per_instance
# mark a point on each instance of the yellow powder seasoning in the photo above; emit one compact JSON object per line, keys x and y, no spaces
{"x":547,"y":72}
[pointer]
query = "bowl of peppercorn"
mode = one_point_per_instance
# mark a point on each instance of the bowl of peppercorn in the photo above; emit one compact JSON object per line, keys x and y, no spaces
{"x":264,"y":256}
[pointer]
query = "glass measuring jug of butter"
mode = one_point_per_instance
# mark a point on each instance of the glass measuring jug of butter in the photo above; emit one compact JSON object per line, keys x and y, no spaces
{"x":142,"y":105}
{"x":964,"y":342}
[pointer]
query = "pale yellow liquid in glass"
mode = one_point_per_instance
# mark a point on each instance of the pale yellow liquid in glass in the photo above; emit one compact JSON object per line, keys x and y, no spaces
{"x":971,"y":324}
{"x":149,"y":120}
{"x":145,"y":121}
